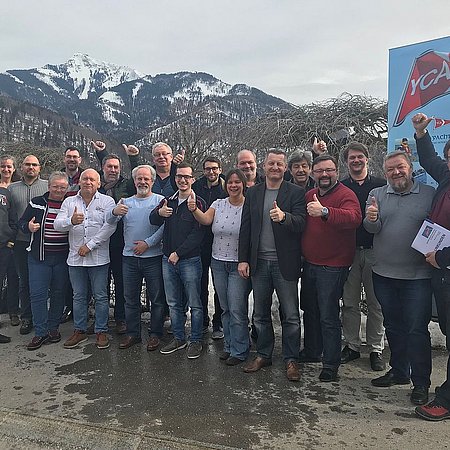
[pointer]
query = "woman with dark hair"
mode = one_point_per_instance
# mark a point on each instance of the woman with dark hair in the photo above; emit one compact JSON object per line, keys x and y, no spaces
{"x":8,"y":175}
{"x":225,"y":217}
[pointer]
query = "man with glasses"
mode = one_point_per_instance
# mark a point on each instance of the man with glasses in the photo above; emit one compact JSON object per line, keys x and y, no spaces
{"x":166,"y":167}
{"x":328,"y":243}
{"x":72,"y":162}
{"x":210,"y":187}
{"x":356,"y":156}
{"x":182,"y":267}
{"x":30,"y":186}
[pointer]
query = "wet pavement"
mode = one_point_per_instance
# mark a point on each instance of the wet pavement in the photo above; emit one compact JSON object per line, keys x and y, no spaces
{"x":132,"y":399}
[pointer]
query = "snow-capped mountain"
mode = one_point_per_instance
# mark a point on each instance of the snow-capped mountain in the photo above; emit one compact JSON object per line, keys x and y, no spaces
{"x":124,"y":103}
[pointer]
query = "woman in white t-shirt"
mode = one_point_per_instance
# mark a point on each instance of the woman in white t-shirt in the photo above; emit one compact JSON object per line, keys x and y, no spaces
{"x":225,"y":217}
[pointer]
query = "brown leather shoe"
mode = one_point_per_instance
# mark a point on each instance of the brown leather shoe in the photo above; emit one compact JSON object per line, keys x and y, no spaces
{"x":152,"y":343}
{"x":292,"y":371}
{"x":121,"y":328}
{"x":257,"y":364}
{"x":129,"y":341}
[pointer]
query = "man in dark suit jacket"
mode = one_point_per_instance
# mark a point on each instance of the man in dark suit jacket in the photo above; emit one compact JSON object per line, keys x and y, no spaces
{"x":273,"y":218}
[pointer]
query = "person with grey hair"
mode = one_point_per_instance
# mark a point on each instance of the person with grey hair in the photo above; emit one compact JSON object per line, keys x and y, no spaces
{"x":166,"y":167}
{"x":300,"y":166}
{"x":142,"y":258}
{"x":401,"y":275}
{"x":47,"y":267}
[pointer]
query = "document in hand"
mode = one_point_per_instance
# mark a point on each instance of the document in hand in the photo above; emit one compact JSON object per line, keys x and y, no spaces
{"x":431,"y":237}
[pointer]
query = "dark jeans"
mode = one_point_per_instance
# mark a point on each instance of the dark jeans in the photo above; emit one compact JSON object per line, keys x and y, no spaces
{"x":115,"y":268}
{"x":265,"y":280}
{"x":12,"y":290}
{"x":441,"y":289}
{"x":321,"y":291}
{"x":406,"y":306}
{"x":204,"y":286}
{"x":48,"y":275}
{"x":21,"y":260}
{"x":134,"y":270}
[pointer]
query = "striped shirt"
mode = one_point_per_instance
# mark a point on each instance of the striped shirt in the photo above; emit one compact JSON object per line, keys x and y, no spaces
{"x":54,"y":241}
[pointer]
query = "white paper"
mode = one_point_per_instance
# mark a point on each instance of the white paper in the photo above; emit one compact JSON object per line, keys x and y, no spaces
{"x":431,"y":237}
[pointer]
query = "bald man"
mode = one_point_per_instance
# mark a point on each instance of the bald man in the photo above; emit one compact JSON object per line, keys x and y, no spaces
{"x":84,"y":217}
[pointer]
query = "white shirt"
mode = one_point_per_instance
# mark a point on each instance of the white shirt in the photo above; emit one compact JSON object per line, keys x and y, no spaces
{"x":94,"y":231}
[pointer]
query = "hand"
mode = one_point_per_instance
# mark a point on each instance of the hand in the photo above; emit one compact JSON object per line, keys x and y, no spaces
{"x":77,"y":217}
{"x":179,"y":158}
{"x":130,"y":150}
{"x":430,"y":258}
{"x":191,"y":202}
{"x":372,"y":210}
{"x":121,"y":209}
{"x":98,"y":146}
{"x":314,"y":208}
{"x":174,"y":258}
{"x":33,"y":226}
{"x":165,"y":211}
{"x":276,"y":214}
{"x":140,"y":247}
{"x":84,"y":250}
{"x":319,"y":147}
{"x":244,"y":270}
{"x":420,"y":122}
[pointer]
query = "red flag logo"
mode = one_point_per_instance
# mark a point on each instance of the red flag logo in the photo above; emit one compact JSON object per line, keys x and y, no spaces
{"x":438,"y":123}
{"x":429,"y":79}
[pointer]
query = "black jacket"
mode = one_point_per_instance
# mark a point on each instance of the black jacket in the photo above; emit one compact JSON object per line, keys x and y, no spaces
{"x":182,"y":233}
{"x":8,"y":218}
{"x":291,"y":200}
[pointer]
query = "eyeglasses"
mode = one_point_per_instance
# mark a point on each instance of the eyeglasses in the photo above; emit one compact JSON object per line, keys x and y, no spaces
{"x":59,"y":188}
{"x":211,"y":169}
{"x":161,"y":155}
{"x":31,"y":164}
{"x":181,"y":177}
{"x":320,"y":171}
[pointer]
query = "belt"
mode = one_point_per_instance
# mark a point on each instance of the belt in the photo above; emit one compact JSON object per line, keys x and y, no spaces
{"x":364,"y":247}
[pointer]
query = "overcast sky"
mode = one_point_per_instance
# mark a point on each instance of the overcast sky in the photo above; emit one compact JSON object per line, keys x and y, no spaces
{"x":297,"y":50}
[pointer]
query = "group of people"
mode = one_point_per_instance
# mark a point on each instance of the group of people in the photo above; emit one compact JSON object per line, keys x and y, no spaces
{"x":259,"y":233}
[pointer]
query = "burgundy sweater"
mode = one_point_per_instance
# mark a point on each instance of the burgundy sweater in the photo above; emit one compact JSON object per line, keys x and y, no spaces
{"x":332,"y":242}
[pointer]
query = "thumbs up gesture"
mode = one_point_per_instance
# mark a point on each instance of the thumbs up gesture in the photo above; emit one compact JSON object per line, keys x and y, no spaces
{"x":33,"y":226}
{"x":121,"y":209}
{"x":191,"y":202}
{"x":164,"y":210}
{"x":314,"y":208}
{"x":130,"y":150}
{"x":319,"y":147}
{"x":372,"y":210}
{"x":98,"y":146}
{"x":179,"y":158}
{"x":276,"y":214}
{"x":77,"y":217}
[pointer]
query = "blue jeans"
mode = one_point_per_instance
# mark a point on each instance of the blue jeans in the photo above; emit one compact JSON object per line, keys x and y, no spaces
{"x":233,"y":291}
{"x":440,"y":283}
{"x":184,"y":277}
{"x":406,"y":306}
{"x":98,"y":278}
{"x":321,"y":291}
{"x":134,"y":270}
{"x":50,"y":274}
{"x":265,"y":280}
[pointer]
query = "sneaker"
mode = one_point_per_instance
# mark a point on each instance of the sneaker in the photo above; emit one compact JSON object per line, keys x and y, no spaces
{"x":26,"y":327}
{"x":376,"y":362}
{"x":348,"y":355}
{"x":77,"y":338}
{"x":173,"y":346}
{"x":328,"y":375}
{"x":389,"y":379}
{"x":433,"y":411}
{"x":54,"y":336}
{"x":194,"y":350}
{"x":102,"y":340}
{"x":4,"y":339}
{"x":419,"y":395}
{"x":217,"y":334}
{"x":14,"y":318}
{"x":37,"y":342}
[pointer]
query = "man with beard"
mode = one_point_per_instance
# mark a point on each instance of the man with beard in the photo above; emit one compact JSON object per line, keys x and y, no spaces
{"x":142,"y":256}
{"x":401,"y":275}
{"x":300,"y":164}
{"x":30,"y":186}
{"x":72,"y":162}
{"x":246,"y":161}
{"x":328,"y":244}
{"x":356,"y":156}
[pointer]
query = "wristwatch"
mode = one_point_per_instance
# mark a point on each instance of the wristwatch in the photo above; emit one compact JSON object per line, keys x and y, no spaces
{"x":325,"y":212}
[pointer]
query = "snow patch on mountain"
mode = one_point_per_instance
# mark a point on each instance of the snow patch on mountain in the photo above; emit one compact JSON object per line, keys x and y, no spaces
{"x":17,"y":80}
{"x":111,"y":97}
{"x":46,"y":76}
{"x":136,"y":89}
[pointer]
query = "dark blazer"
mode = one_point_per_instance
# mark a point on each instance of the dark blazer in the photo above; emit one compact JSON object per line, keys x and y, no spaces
{"x":291,"y":200}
